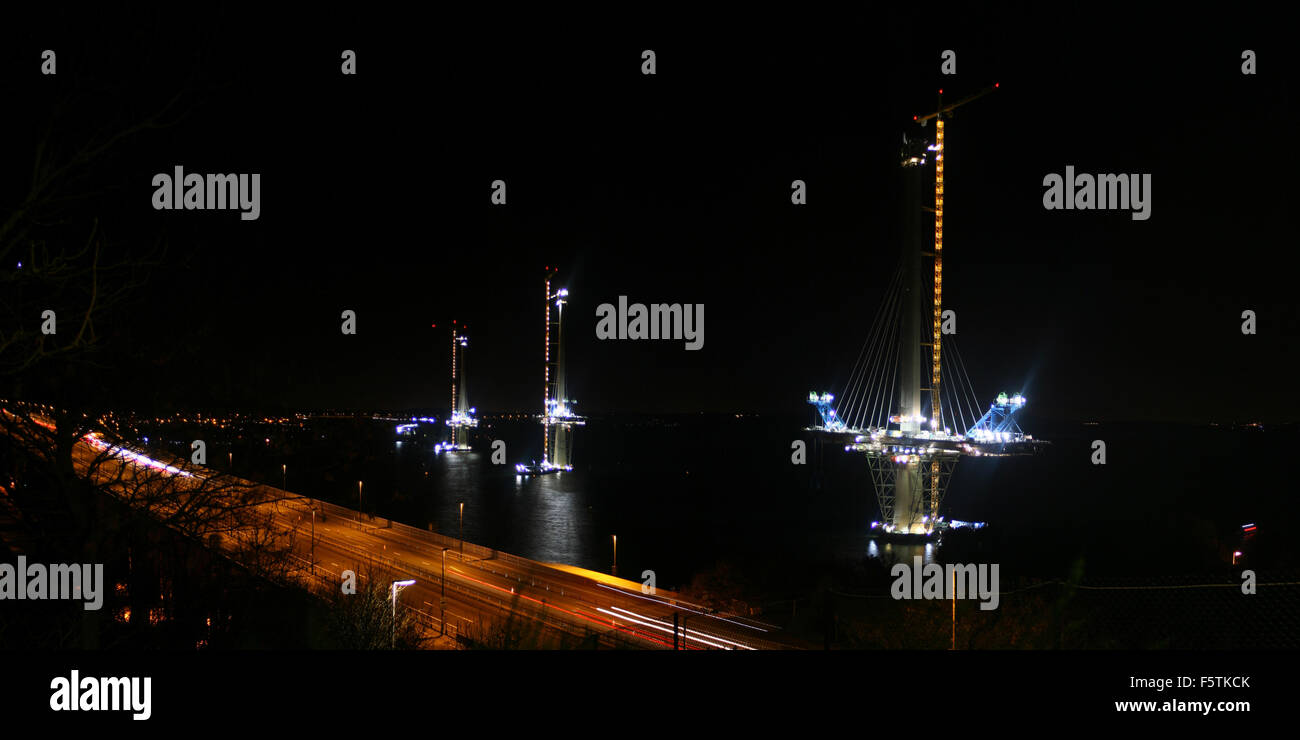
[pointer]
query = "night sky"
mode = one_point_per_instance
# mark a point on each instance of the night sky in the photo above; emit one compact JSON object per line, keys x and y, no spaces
{"x":676,"y":188}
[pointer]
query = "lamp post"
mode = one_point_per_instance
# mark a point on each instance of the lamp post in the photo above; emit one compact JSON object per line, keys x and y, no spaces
{"x":442,"y":601}
{"x":686,"y":637}
{"x":397,"y":586}
{"x":615,"y":570}
{"x":461,"y":528}
{"x":313,"y":540}
{"x":284,"y":476}
{"x":358,"y":501}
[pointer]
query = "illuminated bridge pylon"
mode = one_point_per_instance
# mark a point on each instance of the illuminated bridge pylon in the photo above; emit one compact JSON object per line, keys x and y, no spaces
{"x":462,"y":419}
{"x":910,"y":432}
{"x":558,"y":415}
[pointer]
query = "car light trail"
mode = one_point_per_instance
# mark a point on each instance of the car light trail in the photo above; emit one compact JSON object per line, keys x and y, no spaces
{"x":135,"y":457}
{"x":610,"y":623}
{"x":686,"y":633}
{"x":659,"y":627}
{"x":657,"y":620}
{"x":684,"y":608}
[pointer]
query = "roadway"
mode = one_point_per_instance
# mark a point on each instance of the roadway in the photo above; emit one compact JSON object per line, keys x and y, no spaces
{"x":484,"y":589}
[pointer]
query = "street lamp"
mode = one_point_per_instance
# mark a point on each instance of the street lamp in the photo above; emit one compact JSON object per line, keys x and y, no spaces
{"x":313,"y":540}
{"x":397,"y":586}
{"x":462,"y":528}
{"x":615,"y":571}
{"x":284,"y":476}
{"x":358,"y":501}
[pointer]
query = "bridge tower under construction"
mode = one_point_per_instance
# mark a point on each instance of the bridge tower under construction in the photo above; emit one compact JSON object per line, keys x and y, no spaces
{"x":912,"y":447}
{"x":462,"y":414}
{"x":558,"y":417}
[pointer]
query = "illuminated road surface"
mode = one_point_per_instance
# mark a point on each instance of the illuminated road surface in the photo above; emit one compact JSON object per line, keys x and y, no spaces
{"x":482,"y":586}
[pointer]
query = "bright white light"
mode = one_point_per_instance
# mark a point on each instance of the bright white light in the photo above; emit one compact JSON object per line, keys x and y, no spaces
{"x":459,"y":419}
{"x":647,"y":621}
{"x":135,"y":457}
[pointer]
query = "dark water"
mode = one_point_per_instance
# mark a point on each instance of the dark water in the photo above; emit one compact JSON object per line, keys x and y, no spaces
{"x":688,"y":495}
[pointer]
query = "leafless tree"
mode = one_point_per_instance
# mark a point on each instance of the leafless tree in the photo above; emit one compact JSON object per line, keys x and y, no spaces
{"x":364,"y":620}
{"x":56,"y":255}
{"x":89,"y":488}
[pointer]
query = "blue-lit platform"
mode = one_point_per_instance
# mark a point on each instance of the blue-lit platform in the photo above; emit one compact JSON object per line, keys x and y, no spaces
{"x":543,"y":469}
{"x":886,"y":533}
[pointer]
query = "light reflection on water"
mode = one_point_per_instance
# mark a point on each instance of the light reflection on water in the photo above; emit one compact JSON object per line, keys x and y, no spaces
{"x":898,"y":552}
{"x":570,"y":517}
{"x":553,"y":523}
{"x":544,"y":517}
